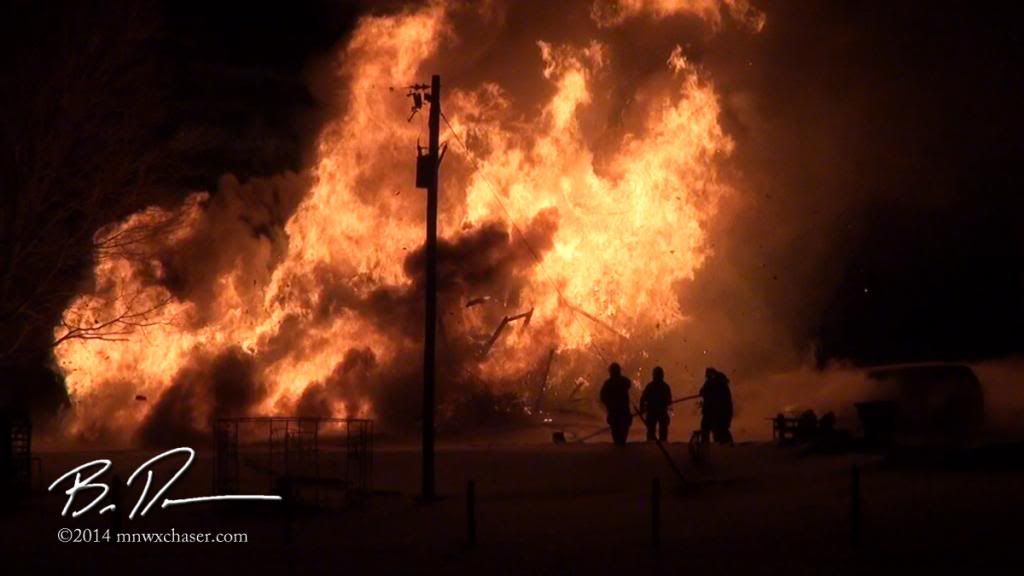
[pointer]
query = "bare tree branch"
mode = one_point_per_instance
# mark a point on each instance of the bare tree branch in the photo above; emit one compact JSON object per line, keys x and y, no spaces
{"x":123,"y":324}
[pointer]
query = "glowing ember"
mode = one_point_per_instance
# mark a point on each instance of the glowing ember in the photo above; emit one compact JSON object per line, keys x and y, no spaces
{"x":535,"y":214}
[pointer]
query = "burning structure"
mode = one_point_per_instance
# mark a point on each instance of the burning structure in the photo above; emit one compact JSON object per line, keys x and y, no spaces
{"x":673,"y":183}
{"x":565,"y":194}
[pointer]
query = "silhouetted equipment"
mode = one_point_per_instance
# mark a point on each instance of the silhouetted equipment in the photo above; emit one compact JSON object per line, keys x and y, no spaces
{"x":783,"y":428}
{"x":15,"y":455}
{"x":427,"y":167}
{"x":922,"y":404}
{"x":827,"y":424}
{"x":416,"y":92}
{"x":306,"y":456}
{"x":822,"y":434}
{"x":525,"y":317}
{"x":806,"y":426}
{"x":829,"y":437}
{"x":878,"y":421}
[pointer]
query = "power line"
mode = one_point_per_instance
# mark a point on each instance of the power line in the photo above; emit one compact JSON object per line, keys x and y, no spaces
{"x":536,"y":256}
{"x":508,"y":214}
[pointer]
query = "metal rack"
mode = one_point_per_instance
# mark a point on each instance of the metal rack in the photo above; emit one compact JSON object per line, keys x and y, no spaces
{"x":298,"y":455}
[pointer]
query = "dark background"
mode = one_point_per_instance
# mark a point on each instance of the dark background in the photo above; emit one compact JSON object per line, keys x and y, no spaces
{"x":109,"y":107}
{"x":932,"y":268}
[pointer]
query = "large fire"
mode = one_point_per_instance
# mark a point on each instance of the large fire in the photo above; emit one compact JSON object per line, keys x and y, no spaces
{"x":594,"y":233}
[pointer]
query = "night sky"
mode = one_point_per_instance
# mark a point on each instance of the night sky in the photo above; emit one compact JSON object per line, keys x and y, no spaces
{"x":934,"y":266}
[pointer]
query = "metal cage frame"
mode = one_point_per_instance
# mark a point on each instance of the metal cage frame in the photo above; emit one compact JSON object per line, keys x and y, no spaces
{"x":288,"y":453}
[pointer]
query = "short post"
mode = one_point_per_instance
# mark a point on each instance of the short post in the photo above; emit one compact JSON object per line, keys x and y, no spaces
{"x":284,"y":490}
{"x":656,"y":514}
{"x":855,"y":505}
{"x":471,"y":513}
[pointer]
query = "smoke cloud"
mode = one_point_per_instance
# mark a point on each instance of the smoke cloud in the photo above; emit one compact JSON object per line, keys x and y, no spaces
{"x":767,"y":138}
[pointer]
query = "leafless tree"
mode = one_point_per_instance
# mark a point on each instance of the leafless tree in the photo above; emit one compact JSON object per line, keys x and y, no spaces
{"x":83,"y":143}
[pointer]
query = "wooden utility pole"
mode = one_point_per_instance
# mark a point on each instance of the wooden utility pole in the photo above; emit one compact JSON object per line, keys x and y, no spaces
{"x":430,"y":334}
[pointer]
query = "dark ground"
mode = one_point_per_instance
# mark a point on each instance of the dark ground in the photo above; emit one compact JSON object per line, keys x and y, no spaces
{"x":546,"y":509}
{"x":908,"y":114}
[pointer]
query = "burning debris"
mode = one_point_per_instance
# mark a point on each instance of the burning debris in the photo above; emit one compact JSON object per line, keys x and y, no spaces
{"x":302,"y":293}
{"x":525,"y":317}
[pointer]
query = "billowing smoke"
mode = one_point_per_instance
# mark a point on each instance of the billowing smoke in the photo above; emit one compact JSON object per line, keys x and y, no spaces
{"x":579,"y":198}
{"x":239,"y":229}
{"x":624,"y":176}
{"x":223,"y":385}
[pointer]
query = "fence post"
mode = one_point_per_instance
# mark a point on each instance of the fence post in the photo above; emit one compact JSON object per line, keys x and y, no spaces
{"x":284,"y":489}
{"x":855,"y":506}
{"x":471,"y":513}
{"x":656,"y":514}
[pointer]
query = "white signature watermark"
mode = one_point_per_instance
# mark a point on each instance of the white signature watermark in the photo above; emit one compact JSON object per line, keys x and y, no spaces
{"x":95,"y":535}
{"x":103,"y":465}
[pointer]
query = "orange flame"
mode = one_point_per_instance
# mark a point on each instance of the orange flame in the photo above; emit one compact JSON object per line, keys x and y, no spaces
{"x":630,"y":223}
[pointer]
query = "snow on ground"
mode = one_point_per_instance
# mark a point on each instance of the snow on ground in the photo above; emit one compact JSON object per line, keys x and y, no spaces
{"x":566,"y":509}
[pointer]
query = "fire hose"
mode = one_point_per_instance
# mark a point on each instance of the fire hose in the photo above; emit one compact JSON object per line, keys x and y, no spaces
{"x":661,"y":447}
{"x":636,"y":412}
